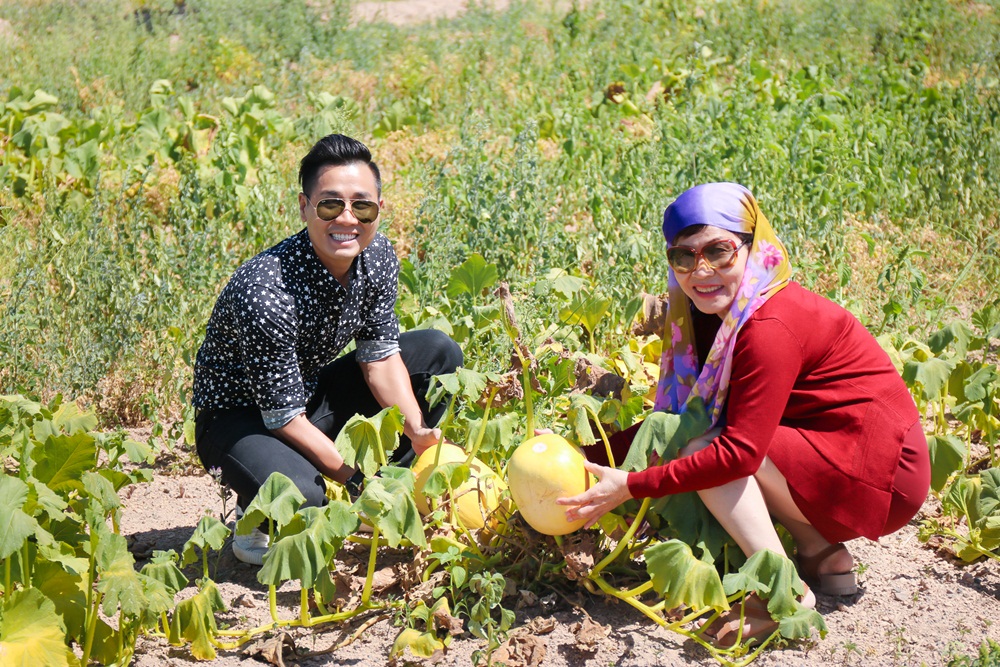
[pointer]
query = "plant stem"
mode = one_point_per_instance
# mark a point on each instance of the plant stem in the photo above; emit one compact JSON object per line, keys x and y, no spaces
{"x":272,"y":601}
{"x":304,"y":606}
{"x":622,"y":543}
{"x":482,"y":431}
{"x":88,"y":642}
{"x":607,"y":443}
{"x":445,"y":423}
{"x":366,"y":592}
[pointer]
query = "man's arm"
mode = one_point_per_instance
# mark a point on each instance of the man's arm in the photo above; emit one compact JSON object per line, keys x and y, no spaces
{"x":312,"y":443}
{"x":389,"y":382}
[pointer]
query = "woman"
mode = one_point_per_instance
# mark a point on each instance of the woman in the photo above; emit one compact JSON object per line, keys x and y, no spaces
{"x":812,"y":424}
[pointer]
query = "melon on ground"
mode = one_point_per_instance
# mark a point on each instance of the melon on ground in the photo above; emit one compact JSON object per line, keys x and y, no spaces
{"x":478,"y":498}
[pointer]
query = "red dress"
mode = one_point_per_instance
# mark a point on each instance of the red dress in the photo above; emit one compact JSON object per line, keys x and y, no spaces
{"x":812,"y":389}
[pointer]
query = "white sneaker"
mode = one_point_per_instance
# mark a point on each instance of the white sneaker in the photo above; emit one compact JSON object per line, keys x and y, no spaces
{"x":250,"y":548}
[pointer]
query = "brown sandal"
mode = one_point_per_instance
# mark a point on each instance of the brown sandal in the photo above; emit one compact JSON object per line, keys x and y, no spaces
{"x":835,"y":583}
{"x":725,"y":630}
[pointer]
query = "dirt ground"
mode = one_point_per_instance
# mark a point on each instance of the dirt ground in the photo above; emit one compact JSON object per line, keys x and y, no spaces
{"x":915,"y":606}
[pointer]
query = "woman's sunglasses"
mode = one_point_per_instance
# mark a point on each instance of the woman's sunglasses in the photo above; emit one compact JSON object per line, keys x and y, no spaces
{"x":364,"y":210}
{"x":719,"y":254}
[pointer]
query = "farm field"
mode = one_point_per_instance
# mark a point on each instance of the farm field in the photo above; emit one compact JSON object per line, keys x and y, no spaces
{"x":147,"y":148}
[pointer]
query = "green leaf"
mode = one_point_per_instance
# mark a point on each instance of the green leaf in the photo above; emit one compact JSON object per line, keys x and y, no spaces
{"x":771,"y":576}
{"x":665,"y":434}
{"x":102,"y":491}
{"x":446,"y":476}
{"x":587,"y":310}
{"x":15,"y":525}
{"x":68,"y":593}
{"x":42,"y":499}
{"x":304,"y":548}
{"x":958,"y":333}
{"x":982,"y":384}
{"x":278,"y":500}
{"x":32,"y":632}
{"x":210,"y":533}
{"x":194,"y":621}
{"x":366,"y":442}
{"x":690,"y":522}
{"x":799,"y":624}
{"x":947,"y":456}
{"x":682,"y":579}
{"x":163,"y":568}
{"x":989,"y":496}
{"x":473,"y":276}
{"x":583,"y":408}
{"x":122,"y":586}
{"x":60,"y":464}
{"x":930,"y":375}
{"x":389,"y":504}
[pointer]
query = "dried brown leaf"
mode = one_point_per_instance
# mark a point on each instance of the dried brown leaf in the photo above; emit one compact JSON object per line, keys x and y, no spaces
{"x":521,"y":650}
{"x":654,"y":316}
{"x":272,"y":649}
{"x":589,"y":633}
{"x":443,"y":620}
{"x":597,"y":381}
{"x":580,"y":552}
{"x":540,"y":625}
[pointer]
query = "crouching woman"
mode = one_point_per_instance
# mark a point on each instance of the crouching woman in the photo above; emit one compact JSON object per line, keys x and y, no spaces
{"x":812,"y":425}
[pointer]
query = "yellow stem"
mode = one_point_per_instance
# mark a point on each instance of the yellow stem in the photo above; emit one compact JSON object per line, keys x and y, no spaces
{"x":622,"y":543}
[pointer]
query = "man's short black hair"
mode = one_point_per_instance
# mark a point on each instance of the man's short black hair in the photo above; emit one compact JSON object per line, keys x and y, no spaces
{"x":334,"y":150}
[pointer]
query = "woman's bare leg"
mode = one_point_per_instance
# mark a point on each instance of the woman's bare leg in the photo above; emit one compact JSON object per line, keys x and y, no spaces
{"x":780,"y":503}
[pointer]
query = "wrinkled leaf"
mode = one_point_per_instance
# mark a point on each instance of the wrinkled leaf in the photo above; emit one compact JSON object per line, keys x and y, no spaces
{"x":665,"y":434}
{"x":389,"y":504}
{"x":366,"y":442}
{"x":421,"y":644}
{"x":210,"y":533}
{"x":772,"y":576}
{"x":194,"y":621}
{"x":682,"y":579}
{"x":277,"y":500}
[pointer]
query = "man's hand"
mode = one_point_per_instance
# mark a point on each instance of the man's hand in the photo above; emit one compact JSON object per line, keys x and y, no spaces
{"x":610,"y":492}
{"x":424,"y":438}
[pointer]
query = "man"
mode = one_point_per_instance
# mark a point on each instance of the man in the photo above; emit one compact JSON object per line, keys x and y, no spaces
{"x":270,"y":394}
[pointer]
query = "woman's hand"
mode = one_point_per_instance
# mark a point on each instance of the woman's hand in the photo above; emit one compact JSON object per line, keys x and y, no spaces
{"x":610,"y":492}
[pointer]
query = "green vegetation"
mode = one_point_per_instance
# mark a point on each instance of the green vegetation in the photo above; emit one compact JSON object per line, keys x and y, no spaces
{"x":147,"y":148}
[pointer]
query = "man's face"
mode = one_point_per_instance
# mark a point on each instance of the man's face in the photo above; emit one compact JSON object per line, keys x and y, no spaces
{"x":337,"y":242}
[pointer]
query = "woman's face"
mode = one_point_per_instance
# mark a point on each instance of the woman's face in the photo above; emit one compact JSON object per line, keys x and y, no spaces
{"x":712,"y":290}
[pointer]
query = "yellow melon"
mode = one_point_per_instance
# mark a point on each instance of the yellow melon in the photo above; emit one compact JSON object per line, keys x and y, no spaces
{"x":542,"y":469}
{"x":478,"y":498}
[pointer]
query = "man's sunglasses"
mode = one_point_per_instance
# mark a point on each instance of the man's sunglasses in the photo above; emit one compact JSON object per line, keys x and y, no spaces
{"x":363,"y":210}
{"x":719,"y":254}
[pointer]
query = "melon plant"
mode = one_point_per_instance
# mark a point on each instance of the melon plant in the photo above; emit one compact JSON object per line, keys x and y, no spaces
{"x":541,"y":470}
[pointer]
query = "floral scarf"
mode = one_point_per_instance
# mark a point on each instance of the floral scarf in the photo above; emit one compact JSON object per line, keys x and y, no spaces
{"x":731,"y":207}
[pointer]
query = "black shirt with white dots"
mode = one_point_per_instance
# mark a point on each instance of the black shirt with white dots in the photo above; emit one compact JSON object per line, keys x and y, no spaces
{"x":283,"y":317}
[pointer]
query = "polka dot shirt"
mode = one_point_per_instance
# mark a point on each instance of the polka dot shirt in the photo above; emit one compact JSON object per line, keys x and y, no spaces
{"x":283,"y":317}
